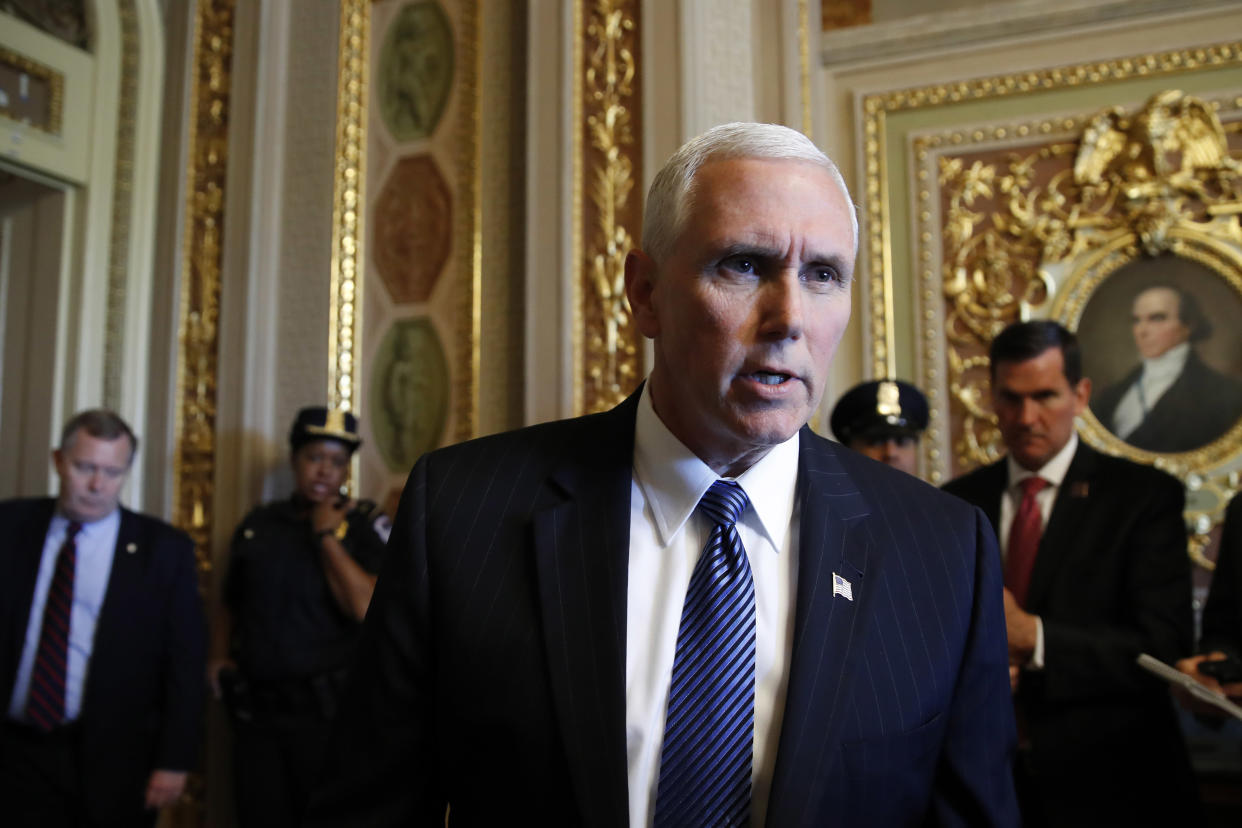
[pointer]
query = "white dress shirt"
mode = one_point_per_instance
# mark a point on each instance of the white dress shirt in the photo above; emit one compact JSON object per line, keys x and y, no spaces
{"x":666,"y":537}
{"x":96,"y":546}
{"x":1054,"y":472}
{"x":1158,"y":376}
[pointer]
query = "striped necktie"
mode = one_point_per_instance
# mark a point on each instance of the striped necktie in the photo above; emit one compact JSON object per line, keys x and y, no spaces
{"x":45,"y":705}
{"x":705,"y":765}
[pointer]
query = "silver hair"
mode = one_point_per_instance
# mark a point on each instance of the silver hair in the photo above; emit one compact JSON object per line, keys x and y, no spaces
{"x":672,"y":186}
{"x":100,"y":423}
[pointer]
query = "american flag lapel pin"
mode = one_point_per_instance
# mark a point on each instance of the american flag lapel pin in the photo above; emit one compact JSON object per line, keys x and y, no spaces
{"x":842,"y":587}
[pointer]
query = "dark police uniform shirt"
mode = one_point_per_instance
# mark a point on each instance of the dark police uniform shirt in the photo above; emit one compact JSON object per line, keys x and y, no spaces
{"x":286,"y":624}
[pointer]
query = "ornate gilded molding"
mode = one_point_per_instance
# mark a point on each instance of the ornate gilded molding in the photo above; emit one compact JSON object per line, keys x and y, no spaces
{"x":345,"y":304}
{"x":607,"y":163}
{"x":1128,"y":186}
{"x":844,"y":14}
{"x":468,"y":226}
{"x":973,"y":24}
{"x":1034,"y":218}
{"x":877,"y":107}
{"x":56,"y":89}
{"x":122,"y":204}
{"x":198,"y":332}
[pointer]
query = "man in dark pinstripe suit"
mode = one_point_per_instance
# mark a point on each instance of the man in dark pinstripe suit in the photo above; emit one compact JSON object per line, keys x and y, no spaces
{"x":1104,"y":578}
{"x":516,"y":660}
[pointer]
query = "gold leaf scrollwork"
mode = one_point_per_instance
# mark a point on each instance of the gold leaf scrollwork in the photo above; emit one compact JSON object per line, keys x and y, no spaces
{"x":611,"y":360}
{"x":348,"y":193}
{"x":194,"y":461}
{"x":1010,"y":221}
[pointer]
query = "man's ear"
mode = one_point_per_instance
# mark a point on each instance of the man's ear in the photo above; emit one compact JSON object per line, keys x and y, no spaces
{"x":640,"y":276}
{"x":1082,"y":395}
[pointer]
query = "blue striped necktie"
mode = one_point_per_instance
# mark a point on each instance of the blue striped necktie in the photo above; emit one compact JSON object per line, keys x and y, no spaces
{"x":709,"y":729}
{"x":45,"y":705}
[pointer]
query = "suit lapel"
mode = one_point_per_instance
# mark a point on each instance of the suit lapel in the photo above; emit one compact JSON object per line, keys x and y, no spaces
{"x":834,"y":537}
{"x":996,"y":482}
{"x":128,"y":561}
{"x":581,"y":534}
{"x":1068,"y":512}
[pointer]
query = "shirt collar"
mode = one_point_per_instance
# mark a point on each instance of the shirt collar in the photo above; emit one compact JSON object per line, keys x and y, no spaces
{"x":1168,"y":364}
{"x":673,"y":479}
{"x":94,"y":528}
{"x":1053,"y":471}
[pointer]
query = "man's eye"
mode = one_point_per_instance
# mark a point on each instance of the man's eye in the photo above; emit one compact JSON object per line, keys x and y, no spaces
{"x":739,"y":264}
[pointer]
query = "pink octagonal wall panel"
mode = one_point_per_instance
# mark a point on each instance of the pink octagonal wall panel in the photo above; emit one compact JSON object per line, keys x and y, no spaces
{"x":413,"y":223}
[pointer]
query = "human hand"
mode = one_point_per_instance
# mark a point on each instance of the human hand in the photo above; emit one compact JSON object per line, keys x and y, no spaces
{"x":214,"y":667}
{"x":1190,"y":666}
{"x":328,"y":514}
{"x":1020,"y":627}
{"x":164,"y":788}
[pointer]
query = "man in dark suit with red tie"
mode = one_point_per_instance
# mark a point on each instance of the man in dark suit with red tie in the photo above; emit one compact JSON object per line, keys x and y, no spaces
{"x":102,"y":645}
{"x":1096,"y":573}
{"x":691,"y":609}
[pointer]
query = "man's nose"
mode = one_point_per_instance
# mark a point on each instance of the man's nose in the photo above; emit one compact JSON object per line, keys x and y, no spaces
{"x":782,"y":307}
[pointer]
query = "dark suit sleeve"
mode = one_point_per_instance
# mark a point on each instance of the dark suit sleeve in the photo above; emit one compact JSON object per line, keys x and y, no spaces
{"x":1091,"y":654}
{"x":380,"y":768}
{"x":974,"y":784}
{"x":185,"y":658}
{"x":1222,"y":615}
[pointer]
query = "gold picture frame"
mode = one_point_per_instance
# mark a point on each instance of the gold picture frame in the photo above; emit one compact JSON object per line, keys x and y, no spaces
{"x":1070,"y":217}
{"x":904,"y":133}
{"x":1107,"y":281}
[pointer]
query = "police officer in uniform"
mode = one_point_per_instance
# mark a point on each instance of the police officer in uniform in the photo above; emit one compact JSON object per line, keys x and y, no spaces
{"x":882,"y":419}
{"x":300,"y":576}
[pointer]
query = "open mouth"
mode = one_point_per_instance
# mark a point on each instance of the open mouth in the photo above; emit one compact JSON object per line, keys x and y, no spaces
{"x":770,"y":377}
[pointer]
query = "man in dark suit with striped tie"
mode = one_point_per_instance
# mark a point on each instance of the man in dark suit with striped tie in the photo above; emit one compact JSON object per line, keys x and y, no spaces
{"x":102,"y":645}
{"x":691,"y":609}
{"x":1096,"y":573}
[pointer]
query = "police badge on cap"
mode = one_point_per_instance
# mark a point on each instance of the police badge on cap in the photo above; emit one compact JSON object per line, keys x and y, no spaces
{"x":320,"y":423}
{"x":879,"y":408}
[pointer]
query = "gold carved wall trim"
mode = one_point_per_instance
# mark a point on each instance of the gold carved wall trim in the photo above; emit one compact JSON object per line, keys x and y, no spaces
{"x":468,"y":231}
{"x":345,"y":304}
{"x":607,"y":209}
{"x":198,"y":331}
{"x":408,"y":225}
{"x":54,"y":117}
{"x":1043,"y":217}
{"x":877,"y":108}
{"x":122,"y":205}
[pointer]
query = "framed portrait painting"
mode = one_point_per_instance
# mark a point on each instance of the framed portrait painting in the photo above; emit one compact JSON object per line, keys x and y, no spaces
{"x":1162,"y":343}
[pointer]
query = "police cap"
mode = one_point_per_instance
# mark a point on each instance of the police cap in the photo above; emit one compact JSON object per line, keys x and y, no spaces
{"x":880,"y":408}
{"x":319,"y":423}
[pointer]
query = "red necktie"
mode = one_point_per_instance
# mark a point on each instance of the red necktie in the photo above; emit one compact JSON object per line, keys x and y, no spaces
{"x":45,"y":705}
{"x":1024,"y":534}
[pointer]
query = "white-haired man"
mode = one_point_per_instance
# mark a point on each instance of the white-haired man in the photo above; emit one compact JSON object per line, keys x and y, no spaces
{"x":690,"y":610}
